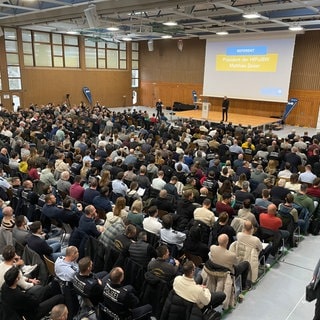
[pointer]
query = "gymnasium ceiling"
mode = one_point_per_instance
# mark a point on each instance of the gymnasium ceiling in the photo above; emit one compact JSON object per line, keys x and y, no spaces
{"x":143,"y":19}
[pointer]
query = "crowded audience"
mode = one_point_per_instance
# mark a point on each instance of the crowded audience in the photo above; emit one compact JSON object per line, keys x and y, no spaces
{"x":155,"y":198}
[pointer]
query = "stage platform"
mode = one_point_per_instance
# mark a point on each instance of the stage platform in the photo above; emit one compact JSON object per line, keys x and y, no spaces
{"x":213,"y":116}
{"x":235,"y":118}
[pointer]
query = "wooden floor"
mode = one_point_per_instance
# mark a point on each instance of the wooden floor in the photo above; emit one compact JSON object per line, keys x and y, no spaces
{"x":235,"y":118}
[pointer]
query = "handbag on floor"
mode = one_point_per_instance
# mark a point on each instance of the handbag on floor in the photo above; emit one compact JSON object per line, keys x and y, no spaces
{"x":311,"y":292}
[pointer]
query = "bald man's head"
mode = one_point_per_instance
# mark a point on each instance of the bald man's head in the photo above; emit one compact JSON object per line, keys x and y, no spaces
{"x":272,"y":209}
{"x":247,"y":226}
{"x":223,"y":240}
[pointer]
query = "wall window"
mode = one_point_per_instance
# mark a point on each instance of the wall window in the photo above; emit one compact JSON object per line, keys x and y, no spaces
{"x":42,"y":49}
{"x":13,"y":67}
{"x":100,"y":54}
{"x":135,"y":65}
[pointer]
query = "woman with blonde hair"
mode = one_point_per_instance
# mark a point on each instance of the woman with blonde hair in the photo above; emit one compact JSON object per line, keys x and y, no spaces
{"x":85,"y":168}
{"x":135,"y":214}
{"x":117,"y":214}
{"x":120,"y":207}
{"x":272,"y":167}
{"x":105,"y":178}
{"x":240,"y":181}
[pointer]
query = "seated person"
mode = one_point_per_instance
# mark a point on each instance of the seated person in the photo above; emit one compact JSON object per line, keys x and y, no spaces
{"x":20,"y":232}
{"x":122,"y":299}
{"x":264,"y":201}
{"x":222,"y":226}
{"x":290,"y":217}
{"x":23,"y":303}
{"x":186,"y":287}
{"x":271,"y":221}
{"x":141,"y":252}
{"x":225,"y":205}
{"x":37,"y":243}
{"x":135,"y":214}
{"x":244,"y":193}
{"x":220,"y":255}
{"x":163,"y":266}
{"x":89,"y":284}
{"x":250,"y":242}
{"x":8,"y":221}
{"x":204,"y":213}
{"x":50,"y":210}
{"x":109,"y":235}
{"x":66,"y":267}
{"x":12,"y":259}
{"x":123,"y":241}
{"x":185,"y":209}
{"x":193,"y":244}
{"x":170,"y":236}
{"x":246,"y":214}
{"x":278,"y":193}
{"x":59,"y":312}
{"x":68,"y":215}
{"x":151,"y":223}
{"x":163,"y":202}
{"x":87,"y":222}
{"x":102,"y":201}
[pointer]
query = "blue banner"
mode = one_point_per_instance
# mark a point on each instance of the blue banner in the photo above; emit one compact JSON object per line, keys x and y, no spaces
{"x":86,"y":91}
{"x":247,"y":51}
{"x":289,"y":107}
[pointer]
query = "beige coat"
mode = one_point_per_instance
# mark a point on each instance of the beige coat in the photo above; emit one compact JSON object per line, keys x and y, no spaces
{"x":248,"y":249}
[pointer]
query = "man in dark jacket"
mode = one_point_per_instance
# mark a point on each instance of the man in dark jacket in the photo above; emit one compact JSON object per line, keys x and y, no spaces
{"x":21,"y":304}
{"x":87,"y":224}
{"x":141,"y":252}
{"x":37,"y":243}
{"x":122,"y":300}
{"x":89,"y":284}
{"x":185,"y":208}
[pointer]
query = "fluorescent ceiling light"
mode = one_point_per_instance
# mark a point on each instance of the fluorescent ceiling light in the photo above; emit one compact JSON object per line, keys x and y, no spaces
{"x":251,"y":15}
{"x":167,"y":36}
{"x":295,"y":28}
{"x":170,"y":23}
{"x":127,"y":39}
{"x":222,"y":33}
{"x":113,"y":29}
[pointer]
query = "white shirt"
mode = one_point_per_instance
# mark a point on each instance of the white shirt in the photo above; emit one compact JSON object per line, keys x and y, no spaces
{"x":152,"y":225}
{"x":187,"y":289}
{"x":158,"y":183}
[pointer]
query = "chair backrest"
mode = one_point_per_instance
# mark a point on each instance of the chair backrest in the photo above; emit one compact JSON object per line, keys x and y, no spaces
{"x":107,"y":314}
{"x":50,"y":265}
{"x":153,"y":239}
{"x":19,"y":247}
{"x":31,"y":257}
{"x":5,"y":238}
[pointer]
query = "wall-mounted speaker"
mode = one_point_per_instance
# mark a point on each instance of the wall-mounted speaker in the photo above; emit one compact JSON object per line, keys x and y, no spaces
{"x":92,"y":16}
{"x":150,"y":45}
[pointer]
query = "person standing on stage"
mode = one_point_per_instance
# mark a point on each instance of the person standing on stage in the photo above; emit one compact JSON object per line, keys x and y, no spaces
{"x":225,"y":108}
{"x":159,"y":106}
